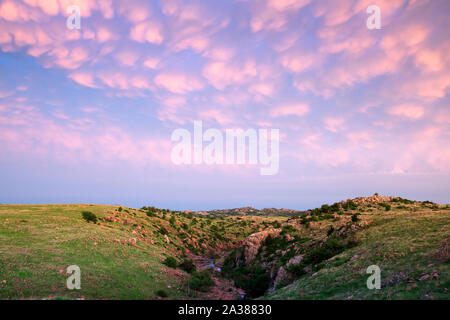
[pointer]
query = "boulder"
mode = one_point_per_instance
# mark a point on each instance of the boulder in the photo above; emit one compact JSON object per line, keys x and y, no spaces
{"x":252,"y":244}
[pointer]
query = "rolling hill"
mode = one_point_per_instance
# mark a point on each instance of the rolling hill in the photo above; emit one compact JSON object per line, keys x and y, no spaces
{"x":152,"y":253}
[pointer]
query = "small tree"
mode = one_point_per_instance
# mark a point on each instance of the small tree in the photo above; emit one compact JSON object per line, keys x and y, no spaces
{"x":188,"y":266}
{"x":170,"y":262}
{"x":89,"y":216}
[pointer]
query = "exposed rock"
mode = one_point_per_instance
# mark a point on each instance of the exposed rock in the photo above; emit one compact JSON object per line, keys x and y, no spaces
{"x":295,"y":260}
{"x":395,"y":279}
{"x":354,"y":257}
{"x":166,"y":238}
{"x":281,"y":275}
{"x":253,"y":242}
{"x":424,"y":277}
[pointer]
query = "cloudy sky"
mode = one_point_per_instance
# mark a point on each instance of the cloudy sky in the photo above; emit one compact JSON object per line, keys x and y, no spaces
{"x":86,"y":115}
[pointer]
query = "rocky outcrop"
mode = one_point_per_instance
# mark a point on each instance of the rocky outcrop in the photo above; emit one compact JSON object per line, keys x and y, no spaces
{"x":282,"y":274}
{"x":251,"y":245}
{"x":372,"y":200}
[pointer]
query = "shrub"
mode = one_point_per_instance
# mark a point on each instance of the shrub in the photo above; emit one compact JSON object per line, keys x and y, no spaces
{"x":162,"y":294}
{"x":276,"y":224}
{"x":188,"y":266}
{"x":297,"y":269}
{"x":330,"y":248}
{"x":349,"y":205}
{"x":330,"y":231}
{"x":89,"y":216}
{"x":170,"y":262}
{"x":288,"y":229}
{"x":255,"y":281}
{"x":355,"y":217}
{"x":334,"y":207}
{"x":201,"y":280}
{"x":120,"y":209}
{"x":163,"y":231}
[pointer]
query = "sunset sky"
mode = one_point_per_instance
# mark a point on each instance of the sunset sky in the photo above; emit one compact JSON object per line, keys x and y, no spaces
{"x":86,"y":115}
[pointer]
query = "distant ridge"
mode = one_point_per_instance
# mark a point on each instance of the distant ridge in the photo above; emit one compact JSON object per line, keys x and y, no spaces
{"x":251,"y":211}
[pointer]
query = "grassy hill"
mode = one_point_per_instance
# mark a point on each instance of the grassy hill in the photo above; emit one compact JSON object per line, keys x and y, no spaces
{"x":121,"y":256}
{"x":409,"y":241}
{"x":323,"y":253}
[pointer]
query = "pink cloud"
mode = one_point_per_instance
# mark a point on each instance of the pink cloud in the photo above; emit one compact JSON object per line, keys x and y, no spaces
{"x":177,"y":82}
{"x":148,"y":31}
{"x":334,"y":124}
{"x":83,"y":78}
{"x":152,"y":62}
{"x":222,"y":117}
{"x":222,"y":74}
{"x":135,"y":11}
{"x":104,"y":34}
{"x":297,"y":62}
{"x":409,"y":111}
{"x":29,"y":132}
{"x":127,"y":57}
{"x":299,"y":110}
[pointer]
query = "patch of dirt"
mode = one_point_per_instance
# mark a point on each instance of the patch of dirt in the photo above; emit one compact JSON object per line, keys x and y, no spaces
{"x":224,"y":289}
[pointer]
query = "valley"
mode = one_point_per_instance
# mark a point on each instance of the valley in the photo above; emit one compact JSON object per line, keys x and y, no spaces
{"x":152,"y":253}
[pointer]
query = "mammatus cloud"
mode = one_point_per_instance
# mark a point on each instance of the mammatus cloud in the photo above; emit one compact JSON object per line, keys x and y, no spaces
{"x":306,"y":67}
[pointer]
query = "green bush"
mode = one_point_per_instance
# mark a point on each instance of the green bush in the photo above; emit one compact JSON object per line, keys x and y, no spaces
{"x":170,"y":262}
{"x":163,"y":231}
{"x":162,"y":294}
{"x":330,"y":248}
{"x":201,"y":280}
{"x":188,"y":266}
{"x":330,"y":231}
{"x":254,"y":280}
{"x":355,"y":217}
{"x":288,"y":229}
{"x":89,"y":216}
{"x":349,"y":205}
{"x":297,"y":269}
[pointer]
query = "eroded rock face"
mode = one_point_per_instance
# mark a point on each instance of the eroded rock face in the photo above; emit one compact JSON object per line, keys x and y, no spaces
{"x":252,"y":244}
{"x":282,"y":274}
{"x":372,"y":199}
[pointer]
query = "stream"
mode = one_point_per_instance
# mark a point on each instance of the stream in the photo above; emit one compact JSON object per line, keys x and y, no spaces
{"x":207,"y":263}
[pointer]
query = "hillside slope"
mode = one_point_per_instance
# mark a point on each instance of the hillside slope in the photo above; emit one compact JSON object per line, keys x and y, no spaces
{"x":320,"y":254}
{"x":121,"y":256}
{"x":409,"y":241}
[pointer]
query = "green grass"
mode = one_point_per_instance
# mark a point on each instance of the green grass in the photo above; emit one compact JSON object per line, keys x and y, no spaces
{"x":399,"y":241}
{"x":122,"y":255}
{"x":38,"y":243}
